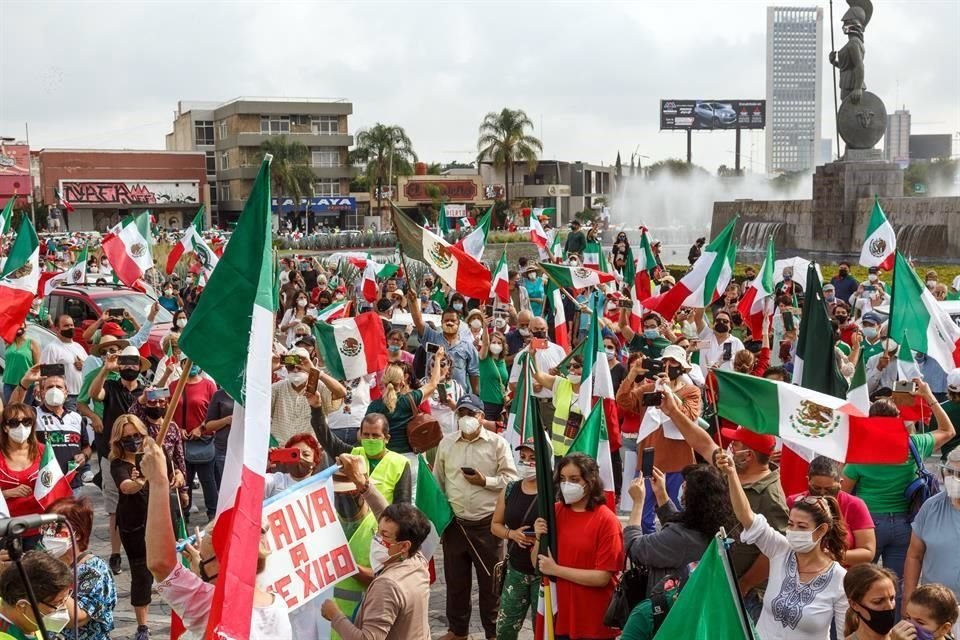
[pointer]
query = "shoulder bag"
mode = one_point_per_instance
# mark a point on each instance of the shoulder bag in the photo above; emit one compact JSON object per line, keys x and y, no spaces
{"x":423,"y":430}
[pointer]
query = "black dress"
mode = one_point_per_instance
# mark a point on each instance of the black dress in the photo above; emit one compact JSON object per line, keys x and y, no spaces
{"x":519,"y":513}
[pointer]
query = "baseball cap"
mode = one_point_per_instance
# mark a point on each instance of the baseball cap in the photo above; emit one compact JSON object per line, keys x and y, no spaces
{"x":470,"y":401}
{"x":953,"y":381}
{"x":384,"y":304}
{"x":872,"y":318}
{"x":829,"y":287}
{"x":758,"y":442}
{"x":299,"y":351}
{"x":112,"y":329}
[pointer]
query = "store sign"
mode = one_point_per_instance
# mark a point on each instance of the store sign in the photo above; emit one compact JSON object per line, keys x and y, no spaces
{"x":456,"y":210}
{"x":456,"y":190}
{"x":322,"y":204}
{"x":125,"y":192}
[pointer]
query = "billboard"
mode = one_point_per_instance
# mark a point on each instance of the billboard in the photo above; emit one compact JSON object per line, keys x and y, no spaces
{"x":713,"y":114}
{"x":930,"y":146}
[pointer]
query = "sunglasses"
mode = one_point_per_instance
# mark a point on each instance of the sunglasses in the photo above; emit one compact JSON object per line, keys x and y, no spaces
{"x":22,"y":422}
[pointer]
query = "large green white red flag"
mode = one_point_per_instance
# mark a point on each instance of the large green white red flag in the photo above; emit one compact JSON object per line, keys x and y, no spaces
{"x":521,"y":420}
{"x":230,"y":337}
{"x":431,"y":500}
{"x":6,"y":216}
{"x":128,"y":245}
{"x":595,"y":380}
{"x":815,"y":421}
{"x":576,"y":277}
{"x":539,"y":237}
{"x":591,"y":255}
{"x":880,"y":244}
{"x":560,"y":334}
{"x":501,"y":280}
{"x":916,"y":314}
{"x":77,"y":274}
{"x":907,"y":368}
{"x":705,"y":282}
{"x":452,"y":264}
{"x":475,"y":241}
{"x":20,"y":280}
{"x":592,"y":439}
{"x":352,"y":347}
{"x":858,"y":394}
{"x":192,"y":241}
{"x":51,"y":484}
{"x":757,"y":300}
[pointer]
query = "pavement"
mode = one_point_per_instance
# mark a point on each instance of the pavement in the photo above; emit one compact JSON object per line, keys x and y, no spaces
{"x":125,"y":624}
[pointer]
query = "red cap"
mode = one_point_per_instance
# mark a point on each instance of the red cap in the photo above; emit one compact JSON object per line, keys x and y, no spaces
{"x":112,"y":329}
{"x":756,"y":441}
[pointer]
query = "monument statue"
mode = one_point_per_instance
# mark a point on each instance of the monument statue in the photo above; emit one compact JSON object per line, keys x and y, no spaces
{"x":862,"y":117}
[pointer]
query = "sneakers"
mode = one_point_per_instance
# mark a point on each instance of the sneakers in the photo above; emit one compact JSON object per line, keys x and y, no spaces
{"x":143,"y":632}
{"x":115,"y":564}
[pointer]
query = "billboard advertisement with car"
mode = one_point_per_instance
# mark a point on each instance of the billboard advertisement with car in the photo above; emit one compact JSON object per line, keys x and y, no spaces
{"x":713,"y":114}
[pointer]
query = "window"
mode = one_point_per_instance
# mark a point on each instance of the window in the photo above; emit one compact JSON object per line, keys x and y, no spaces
{"x":325,"y":157}
{"x":211,"y":163}
{"x":223,"y":129}
{"x":274,"y":125}
{"x":326,"y":125}
{"x":326,"y":187}
{"x":213,"y":193}
{"x":224,"y":161}
{"x":224,"y":191}
{"x":203,"y":131}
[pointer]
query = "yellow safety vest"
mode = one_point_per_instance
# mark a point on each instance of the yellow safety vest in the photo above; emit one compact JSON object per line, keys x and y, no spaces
{"x":562,"y":403}
{"x":348,"y":593}
{"x":387,"y":473}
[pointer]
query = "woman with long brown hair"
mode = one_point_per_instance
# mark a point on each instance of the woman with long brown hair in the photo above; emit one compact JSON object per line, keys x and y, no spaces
{"x":872,"y":594}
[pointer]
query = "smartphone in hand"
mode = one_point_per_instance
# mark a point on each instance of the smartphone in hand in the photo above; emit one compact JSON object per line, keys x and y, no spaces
{"x":646,"y":462}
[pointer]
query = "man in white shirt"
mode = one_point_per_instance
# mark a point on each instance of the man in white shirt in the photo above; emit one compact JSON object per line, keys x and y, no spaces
{"x":345,"y":420}
{"x":546,"y":359}
{"x":714,"y":352}
{"x":68,"y":353}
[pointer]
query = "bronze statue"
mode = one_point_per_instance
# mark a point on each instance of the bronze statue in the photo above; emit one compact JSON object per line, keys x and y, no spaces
{"x":849,"y":60}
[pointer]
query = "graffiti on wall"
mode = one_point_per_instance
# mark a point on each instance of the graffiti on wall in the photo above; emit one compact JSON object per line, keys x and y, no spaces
{"x":110,"y":192}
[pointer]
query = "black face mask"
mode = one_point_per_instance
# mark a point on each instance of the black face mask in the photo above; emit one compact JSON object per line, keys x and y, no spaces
{"x":19,"y":332}
{"x":881,"y":620}
{"x":674,"y":372}
{"x":154,"y":413}
{"x":129,"y":374}
{"x":539,"y":334}
{"x":721,"y":327}
{"x":131,"y":444}
{"x":842,"y":319}
{"x":66,"y":333}
{"x":844,"y":273}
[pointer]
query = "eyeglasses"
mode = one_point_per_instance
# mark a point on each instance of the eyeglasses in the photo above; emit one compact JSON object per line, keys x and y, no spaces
{"x":22,"y":422}
{"x":819,"y":501}
{"x":60,"y":605}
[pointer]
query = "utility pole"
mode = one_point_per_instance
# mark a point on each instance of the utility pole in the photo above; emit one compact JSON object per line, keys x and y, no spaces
{"x":33,"y":210}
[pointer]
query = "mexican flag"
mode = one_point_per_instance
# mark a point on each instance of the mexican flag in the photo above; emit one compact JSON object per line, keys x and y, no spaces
{"x":443,"y":222}
{"x":915,"y":313}
{"x":475,"y":241}
{"x":560,"y":334}
{"x":757,"y":300}
{"x":706,"y":280}
{"x":77,"y":274}
{"x":128,"y":246}
{"x":907,"y":368}
{"x":501,"y":280}
{"x":815,"y":421}
{"x":591,"y":254}
{"x":352,"y":347}
{"x":6,"y":216}
{"x":712,"y":587}
{"x":230,"y":336}
{"x":880,"y":245}
{"x":51,"y":484}
{"x":20,"y":280}
{"x":858,"y":395}
{"x":576,"y":277}
{"x":539,"y":237}
{"x":592,"y":440}
{"x":556,"y":249}
{"x":522,"y":421}
{"x":373,"y":271}
{"x":459,"y":270}
{"x":192,"y":240}
{"x":815,"y":366}
{"x":595,"y":381}
{"x":63,"y":201}
{"x":433,"y":503}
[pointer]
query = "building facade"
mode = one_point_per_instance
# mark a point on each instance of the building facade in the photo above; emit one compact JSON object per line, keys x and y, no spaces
{"x":15,"y":178}
{"x":794,"y":87}
{"x":896,"y":140}
{"x":230,"y":134}
{"x":104,"y":186}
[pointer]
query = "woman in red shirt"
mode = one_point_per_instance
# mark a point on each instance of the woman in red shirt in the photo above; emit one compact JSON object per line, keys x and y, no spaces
{"x":199,"y":451}
{"x":20,"y":463}
{"x":589,"y":551}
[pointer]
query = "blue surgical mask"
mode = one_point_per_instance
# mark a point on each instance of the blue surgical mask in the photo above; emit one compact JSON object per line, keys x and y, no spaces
{"x":651,"y":334}
{"x":393,"y":348}
{"x":458,"y":306}
{"x":870,"y":333}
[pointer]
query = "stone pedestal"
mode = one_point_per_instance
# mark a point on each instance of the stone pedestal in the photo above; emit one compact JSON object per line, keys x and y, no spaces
{"x":837,"y":188}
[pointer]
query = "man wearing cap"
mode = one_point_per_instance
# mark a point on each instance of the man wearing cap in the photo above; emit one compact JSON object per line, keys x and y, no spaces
{"x":472,"y":467}
{"x":881,"y":368}
{"x":830,"y":297}
{"x":546,"y":359}
{"x":871,"y":293}
{"x":105,"y":326}
{"x":289,"y":408}
{"x":576,"y":241}
{"x":872,"y":336}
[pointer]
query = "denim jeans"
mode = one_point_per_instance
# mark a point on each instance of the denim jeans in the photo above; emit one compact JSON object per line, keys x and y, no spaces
{"x":753,"y":603}
{"x":207,"y":483}
{"x":219,"y":461}
{"x":674,"y":480}
{"x":893,"y":538}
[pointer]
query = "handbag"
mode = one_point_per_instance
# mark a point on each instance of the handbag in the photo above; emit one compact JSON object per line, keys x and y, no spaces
{"x":920,"y":488}
{"x":423,"y":430}
{"x":500,"y":569}
{"x":199,"y":451}
{"x":631,"y":589}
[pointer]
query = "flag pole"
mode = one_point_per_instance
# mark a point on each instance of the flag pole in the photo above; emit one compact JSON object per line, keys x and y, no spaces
{"x":174,"y":400}
{"x":547,"y":610}
{"x":836,"y":110}
{"x":564,"y":291}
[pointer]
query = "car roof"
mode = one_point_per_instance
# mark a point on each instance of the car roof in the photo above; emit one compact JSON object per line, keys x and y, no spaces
{"x":952,"y":307}
{"x":95,"y":290}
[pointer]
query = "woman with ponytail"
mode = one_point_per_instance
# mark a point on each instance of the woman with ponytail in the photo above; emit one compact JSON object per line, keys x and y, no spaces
{"x":805,"y":590}
{"x":872,"y":594}
{"x":398,"y":401}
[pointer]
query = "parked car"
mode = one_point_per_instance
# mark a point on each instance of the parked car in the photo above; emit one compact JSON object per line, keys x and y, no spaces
{"x":714,"y":114}
{"x":35,"y":332}
{"x":86,"y":303}
{"x":951,"y":307}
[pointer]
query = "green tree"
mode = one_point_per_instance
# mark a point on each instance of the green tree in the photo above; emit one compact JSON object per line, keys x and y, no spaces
{"x":675,"y":167}
{"x":504,"y":141}
{"x":434,"y":169}
{"x":290,"y":170}
{"x":929,"y":178}
{"x":381,"y":148}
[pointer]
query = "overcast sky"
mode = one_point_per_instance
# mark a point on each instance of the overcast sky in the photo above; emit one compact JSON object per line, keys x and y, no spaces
{"x":589,"y":74}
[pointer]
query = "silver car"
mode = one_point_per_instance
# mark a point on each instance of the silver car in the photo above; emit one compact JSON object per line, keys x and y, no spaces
{"x":715,"y":114}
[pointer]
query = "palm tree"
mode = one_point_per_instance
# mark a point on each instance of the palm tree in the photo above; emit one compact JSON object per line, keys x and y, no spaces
{"x":383,"y":149}
{"x":290,"y":170}
{"x":504,"y":140}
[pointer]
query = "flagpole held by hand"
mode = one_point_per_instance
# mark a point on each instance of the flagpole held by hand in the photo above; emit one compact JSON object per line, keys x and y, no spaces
{"x":174,"y":399}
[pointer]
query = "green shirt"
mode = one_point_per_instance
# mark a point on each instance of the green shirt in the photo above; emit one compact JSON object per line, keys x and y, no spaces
{"x":17,"y":360}
{"x":640,"y":623}
{"x":493,"y":379}
{"x":952,"y":409}
{"x":881,"y":486}
{"x":868,"y":350}
{"x":84,"y":396}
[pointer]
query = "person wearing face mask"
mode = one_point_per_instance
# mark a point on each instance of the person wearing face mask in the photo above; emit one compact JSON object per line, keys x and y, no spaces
{"x":64,"y":430}
{"x":932,"y":556}
{"x":20,"y":462}
{"x":443,"y":401}
{"x":567,"y":417}
{"x":68,"y":353}
{"x":198,"y":448}
{"x":151,"y":411}
{"x":650,"y":341}
{"x":465,"y":363}
{"x":294,"y":315}
{"x":871,"y":593}
{"x":533,"y":283}
{"x":882,"y":369}
{"x":806,"y":589}
{"x":714,"y":352}
{"x":589,"y":549}
{"x":477,"y":325}
{"x":396,"y":347}
{"x":513,"y":520}
{"x":287,"y":475}
{"x":289,"y":409}
{"x":493,"y":373}
{"x":189,"y":294}
{"x":96,"y":592}
{"x":19,"y":356}
{"x":51,"y":580}
{"x":189,"y":591}
{"x":845,"y":284}
{"x":872,"y":336}
{"x":576,"y":242}
{"x":126,"y":439}
{"x":472,"y":466}
{"x":518,"y":336}
{"x":179,"y":321}
{"x":871,"y":293}
{"x":930,"y":613}
{"x":788,"y":286}
{"x":545,"y":360}
{"x":170,"y":298}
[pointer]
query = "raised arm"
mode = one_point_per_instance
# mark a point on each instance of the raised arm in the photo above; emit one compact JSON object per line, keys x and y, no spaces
{"x":623,"y":324}
{"x":945,"y":429}
{"x":161,"y":543}
{"x":434,"y":380}
{"x":698,"y":439}
{"x":741,"y":507}
{"x":415,"y":312}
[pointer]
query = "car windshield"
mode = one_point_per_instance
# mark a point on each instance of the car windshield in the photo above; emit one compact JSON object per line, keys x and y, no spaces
{"x":137,"y":304}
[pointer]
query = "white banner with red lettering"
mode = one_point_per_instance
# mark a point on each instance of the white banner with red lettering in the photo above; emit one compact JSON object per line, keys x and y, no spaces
{"x":308,"y":549}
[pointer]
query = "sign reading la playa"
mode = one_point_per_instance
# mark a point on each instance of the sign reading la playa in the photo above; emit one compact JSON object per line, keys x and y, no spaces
{"x":321,"y":204}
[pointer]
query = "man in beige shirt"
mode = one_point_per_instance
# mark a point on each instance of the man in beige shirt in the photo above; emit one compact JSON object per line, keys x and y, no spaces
{"x":473,"y":466}
{"x":289,"y":409}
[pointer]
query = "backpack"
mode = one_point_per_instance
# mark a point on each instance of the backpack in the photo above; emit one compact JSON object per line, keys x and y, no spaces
{"x":924,"y":486}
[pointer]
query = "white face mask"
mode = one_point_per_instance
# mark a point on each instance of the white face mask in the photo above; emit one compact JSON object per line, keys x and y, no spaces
{"x":302,"y":302}
{"x":475,"y":324}
{"x":496,"y":348}
{"x":181,"y":322}
{"x":56,"y":546}
{"x":872,"y":277}
{"x":297,"y":378}
{"x":469,"y":425}
{"x":525,"y":332}
{"x":54,"y":397}
{"x":526,"y":470}
{"x":951,"y":485}
{"x":572,"y":492}
{"x":574,"y":378}
{"x":19,"y":434}
{"x":57,"y":621}
{"x":801,"y":541}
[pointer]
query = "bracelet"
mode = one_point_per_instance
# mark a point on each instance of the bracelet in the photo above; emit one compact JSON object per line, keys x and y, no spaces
{"x":23,"y":387}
